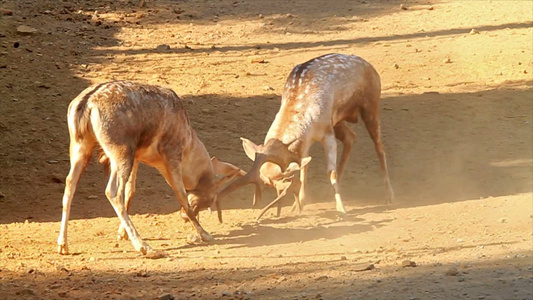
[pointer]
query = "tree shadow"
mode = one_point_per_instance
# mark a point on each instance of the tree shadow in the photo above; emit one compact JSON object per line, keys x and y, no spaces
{"x":330,"y":279}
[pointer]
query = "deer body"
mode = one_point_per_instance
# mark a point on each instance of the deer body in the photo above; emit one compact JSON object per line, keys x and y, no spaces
{"x":319,"y":97}
{"x":134,"y":123}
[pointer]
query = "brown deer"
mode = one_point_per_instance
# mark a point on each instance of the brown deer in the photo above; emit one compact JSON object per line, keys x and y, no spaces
{"x":132,"y":123}
{"x":320,"y":97}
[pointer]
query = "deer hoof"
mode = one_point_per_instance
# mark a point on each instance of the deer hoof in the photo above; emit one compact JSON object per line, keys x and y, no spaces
{"x":206,"y":237}
{"x":340,"y":209}
{"x":122,"y":235}
{"x":62,"y":249}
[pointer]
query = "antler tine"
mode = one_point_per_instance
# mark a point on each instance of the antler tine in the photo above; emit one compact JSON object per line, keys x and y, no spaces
{"x":251,"y":177}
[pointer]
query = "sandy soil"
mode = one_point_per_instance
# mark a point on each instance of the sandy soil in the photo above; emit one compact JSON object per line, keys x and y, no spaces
{"x":457,"y":114}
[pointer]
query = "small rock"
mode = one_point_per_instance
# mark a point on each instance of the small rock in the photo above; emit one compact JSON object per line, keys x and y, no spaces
{"x":206,"y":110}
{"x":27,"y":292}
{"x":142,"y":274}
{"x":162,"y":47}
{"x":26,"y":30}
{"x":408,"y":263}
{"x":166,"y":296}
{"x":502,"y":220}
{"x":343,"y":257}
{"x":364,"y":267}
{"x":52,"y":161}
{"x":226,"y":294}
{"x":154,"y":254}
{"x":448,"y":61}
{"x":92,"y":197}
{"x":403,"y":7}
{"x":453,"y":271}
{"x":2,"y":195}
{"x":6,"y":12}
{"x":323,"y":277}
{"x":431,"y":8}
{"x":474,"y":31}
{"x":460,"y":278}
{"x":257,"y":60}
{"x":396,"y":66}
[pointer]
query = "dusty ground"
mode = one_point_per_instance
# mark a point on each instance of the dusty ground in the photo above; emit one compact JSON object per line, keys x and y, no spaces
{"x":457,"y":115}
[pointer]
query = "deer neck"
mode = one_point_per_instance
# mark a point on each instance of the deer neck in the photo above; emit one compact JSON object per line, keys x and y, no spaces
{"x":196,"y":168}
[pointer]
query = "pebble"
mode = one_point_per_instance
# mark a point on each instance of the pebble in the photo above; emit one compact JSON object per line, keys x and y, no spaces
{"x":2,"y":195}
{"x":448,"y":61}
{"x":165,"y":296}
{"x":257,"y":60}
{"x":474,"y":31}
{"x":28,"y":292}
{"x":6,"y":12}
{"x":408,"y":263}
{"x":26,"y":30}
{"x":364,"y":267}
{"x":162,"y":47}
{"x":403,"y":7}
{"x":396,"y":66}
{"x":453,"y":271}
{"x":52,"y":161}
{"x":92,"y":197}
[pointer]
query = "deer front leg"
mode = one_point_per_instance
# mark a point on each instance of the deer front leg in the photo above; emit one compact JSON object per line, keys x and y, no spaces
{"x":330,"y":146}
{"x":174,"y":179}
{"x":130,"y":191}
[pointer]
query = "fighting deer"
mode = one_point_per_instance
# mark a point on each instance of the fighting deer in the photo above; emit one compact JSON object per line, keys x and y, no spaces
{"x":320,"y":97}
{"x":131,"y":123}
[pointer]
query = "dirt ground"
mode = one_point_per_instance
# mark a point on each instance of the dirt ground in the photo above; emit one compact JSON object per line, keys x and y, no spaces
{"x":456,"y":121}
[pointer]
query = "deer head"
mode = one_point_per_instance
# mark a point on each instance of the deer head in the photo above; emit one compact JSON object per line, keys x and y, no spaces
{"x":205,"y":196}
{"x":274,"y":165}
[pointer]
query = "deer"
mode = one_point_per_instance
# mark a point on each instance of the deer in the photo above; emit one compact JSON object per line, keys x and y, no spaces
{"x":131,"y":123}
{"x":320,"y":97}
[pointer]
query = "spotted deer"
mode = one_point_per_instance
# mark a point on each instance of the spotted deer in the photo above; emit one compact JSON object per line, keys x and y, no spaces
{"x":320,"y":97}
{"x":132,"y":123}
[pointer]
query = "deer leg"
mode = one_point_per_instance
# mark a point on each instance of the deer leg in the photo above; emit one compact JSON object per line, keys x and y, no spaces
{"x":174,"y":179}
{"x":278,"y":208}
{"x":120,"y":173}
{"x":130,"y":191}
{"x":330,"y":146}
{"x":374,"y":130}
{"x":347,"y":137}
{"x":301,"y":194}
{"x":80,"y":153}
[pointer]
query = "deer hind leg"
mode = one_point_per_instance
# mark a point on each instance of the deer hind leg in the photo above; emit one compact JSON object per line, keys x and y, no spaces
{"x":80,"y":153}
{"x":121,"y":169}
{"x":347,"y":137}
{"x":130,"y":192}
{"x":330,"y":146}
{"x":173,"y":176}
{"x":374,"y":130}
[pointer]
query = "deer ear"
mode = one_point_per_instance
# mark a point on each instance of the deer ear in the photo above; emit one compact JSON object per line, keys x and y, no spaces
{"x":225,"y":171}
{"x":250,"y":148}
